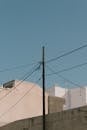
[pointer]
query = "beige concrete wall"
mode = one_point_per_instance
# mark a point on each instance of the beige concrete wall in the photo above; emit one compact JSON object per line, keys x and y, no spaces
{"x":25,"y":101}
{"x":67,"y":120}
{"x":55,"y":104}
{"x":22,"y":101}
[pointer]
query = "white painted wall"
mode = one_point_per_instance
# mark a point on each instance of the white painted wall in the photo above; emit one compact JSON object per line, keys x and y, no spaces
{"x":60,"y":92}
{"x":56,"y":91}
{"x":74,"y":97}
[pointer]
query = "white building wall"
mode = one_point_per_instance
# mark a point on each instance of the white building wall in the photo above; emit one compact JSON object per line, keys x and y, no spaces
{"x":74,"y":97}
{"x":56,"y":91}
{"x":60,"y":92}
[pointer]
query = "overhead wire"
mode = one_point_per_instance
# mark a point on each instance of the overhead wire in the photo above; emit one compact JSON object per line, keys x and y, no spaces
{"x":35,"y":68}
{"x":68,"y":69}
{"x":67,"y":53}
{"x":16,"y":67}
{"x":19,"y":100}
{"x":51,"y":60}
{"x":28,"y":75}
{"x":69,"y":81}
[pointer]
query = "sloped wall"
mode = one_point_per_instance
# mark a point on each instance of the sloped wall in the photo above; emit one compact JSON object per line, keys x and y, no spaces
{"x":75,"y":119}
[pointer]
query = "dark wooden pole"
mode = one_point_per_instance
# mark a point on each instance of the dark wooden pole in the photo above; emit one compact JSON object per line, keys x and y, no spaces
{"x":43,"y":84}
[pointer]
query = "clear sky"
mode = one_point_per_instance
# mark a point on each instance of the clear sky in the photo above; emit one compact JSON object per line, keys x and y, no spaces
{"x":27,"y":25}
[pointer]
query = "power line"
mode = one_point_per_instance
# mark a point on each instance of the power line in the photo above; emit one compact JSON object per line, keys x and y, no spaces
{"x":67,"y":53}
{"x":69,"y":81}
{"x":26,"y":77}
{"x":19,"y":100}
{"x":70,"y":68}
{"x":16,"y":67}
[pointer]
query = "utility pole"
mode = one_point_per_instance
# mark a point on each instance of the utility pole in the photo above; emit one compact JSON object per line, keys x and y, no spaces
{"x":43,"y":84}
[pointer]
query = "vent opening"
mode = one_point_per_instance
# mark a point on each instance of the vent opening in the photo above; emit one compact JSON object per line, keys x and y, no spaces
{"x":9,"y":84}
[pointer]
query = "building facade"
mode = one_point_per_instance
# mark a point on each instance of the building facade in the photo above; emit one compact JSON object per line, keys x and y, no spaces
{"x":74,"y":97}
{"x":20,"y":100}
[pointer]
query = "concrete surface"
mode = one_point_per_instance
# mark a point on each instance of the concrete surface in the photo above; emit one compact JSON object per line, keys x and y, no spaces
{"x":74,"y":119}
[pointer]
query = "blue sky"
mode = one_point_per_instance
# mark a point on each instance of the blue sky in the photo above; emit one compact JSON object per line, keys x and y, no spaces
{"x":27,"y":25}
